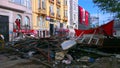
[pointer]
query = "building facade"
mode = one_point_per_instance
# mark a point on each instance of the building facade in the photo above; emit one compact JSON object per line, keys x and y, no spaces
{"x":73,"y":13}
{"x":117,"y":28}
{"x":10,"y":10}
{"x":49,"y":15}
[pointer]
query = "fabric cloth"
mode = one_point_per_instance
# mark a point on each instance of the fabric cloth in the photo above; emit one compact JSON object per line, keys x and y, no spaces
{"x":18,"y":23}
{"x":106,"y":29}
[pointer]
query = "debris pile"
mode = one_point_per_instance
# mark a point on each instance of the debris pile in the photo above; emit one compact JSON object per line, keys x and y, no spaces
{"x":46,"y":53}
{"x":44,"y":50}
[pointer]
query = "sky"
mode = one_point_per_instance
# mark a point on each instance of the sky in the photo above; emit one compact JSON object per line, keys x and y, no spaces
{"x":89,"y":6}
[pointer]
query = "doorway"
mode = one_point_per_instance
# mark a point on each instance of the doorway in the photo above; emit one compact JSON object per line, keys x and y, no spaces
{"x":51,"y":29}
{"x":4,"y":27}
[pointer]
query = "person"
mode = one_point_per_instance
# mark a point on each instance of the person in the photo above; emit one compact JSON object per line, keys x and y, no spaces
{"x":1,"y":37}
{"x":56,"y":30}
{"x":2,"y":40}
{"x":71,"y":32}
{"x":17,"y":21}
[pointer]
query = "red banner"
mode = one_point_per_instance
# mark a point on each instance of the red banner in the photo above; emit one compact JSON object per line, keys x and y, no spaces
{"x":80,"y":14}
{"x":25,"y":31}
{"x":83,"y":16}
{"x":86,"y":18}
{"x":106,"y":29}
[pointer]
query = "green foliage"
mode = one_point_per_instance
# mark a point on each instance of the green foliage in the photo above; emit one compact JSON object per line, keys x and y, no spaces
{"x":112,"y":6}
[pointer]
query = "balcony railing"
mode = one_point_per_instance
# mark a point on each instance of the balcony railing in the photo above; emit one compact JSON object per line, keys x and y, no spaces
{"x":51,"y":14}
{"x":66,"y":7}
{"x":51,"y":1}
{"x":42,"y":11}
{"x":65,"y":18}
{"x":58,"y":16}
{"x":58,"y":3}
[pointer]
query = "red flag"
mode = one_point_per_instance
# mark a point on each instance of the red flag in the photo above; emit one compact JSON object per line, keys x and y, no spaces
{"x":80,"y":14}
{"x":83,"y":19}
{"x":83,"y":16}
{"x":86,"y":18}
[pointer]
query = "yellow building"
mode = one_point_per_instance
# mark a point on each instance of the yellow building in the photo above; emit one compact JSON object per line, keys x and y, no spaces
{"x":49,"y":15}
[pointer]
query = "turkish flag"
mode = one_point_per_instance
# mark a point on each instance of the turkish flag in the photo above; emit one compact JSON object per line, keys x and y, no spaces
{"x":86,"y":18}
{"x":80,"y":14}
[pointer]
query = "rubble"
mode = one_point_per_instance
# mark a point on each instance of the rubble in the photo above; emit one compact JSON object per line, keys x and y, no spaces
{"x":31,"y":52}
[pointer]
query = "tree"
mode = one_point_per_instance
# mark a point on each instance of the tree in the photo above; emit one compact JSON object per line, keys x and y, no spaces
{"x":111,"y":6}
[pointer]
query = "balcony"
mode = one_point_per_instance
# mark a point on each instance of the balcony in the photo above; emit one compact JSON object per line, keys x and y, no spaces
{"x":42,"y":11}
{"x":58,"y":3}
{"x":51,"y":1}
{"x":58,"y":16}
{"x":65,"y":7}
{"x":65,"y":18}
{"x":51,"y":14}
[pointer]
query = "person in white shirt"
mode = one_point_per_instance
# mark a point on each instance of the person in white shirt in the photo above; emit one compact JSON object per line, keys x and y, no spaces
{"x":71,"y":32}
{"x":2,"y":37}
{"x":2,"y":40}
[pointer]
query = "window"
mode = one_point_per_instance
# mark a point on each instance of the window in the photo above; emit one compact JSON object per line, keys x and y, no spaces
{"x":65,"y":2}
{"x":12,"y":0}
{"x":74,"y":16}
{"x":16,"y":1}
{"x":28,"y":4}
{"x":27,"y":21}
{"x":58,"y":11}
{"x":65,"y":13}
{"x":37,"y":19}
{"x":21,"y":2}
{"x":51,"y":9}
{"x":41,"y":21}
{"x":43,"y":24}
{"x":19,"y":16}
{"x":43,"y":4}
{"x":39,"y":4}
{"x":58,"y":1}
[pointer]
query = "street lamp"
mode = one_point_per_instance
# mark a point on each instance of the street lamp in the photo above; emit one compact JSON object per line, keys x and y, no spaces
{"x":98,"y":17}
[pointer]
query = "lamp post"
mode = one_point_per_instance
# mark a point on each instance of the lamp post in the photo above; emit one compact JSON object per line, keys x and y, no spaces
{"x":98,"y":18}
